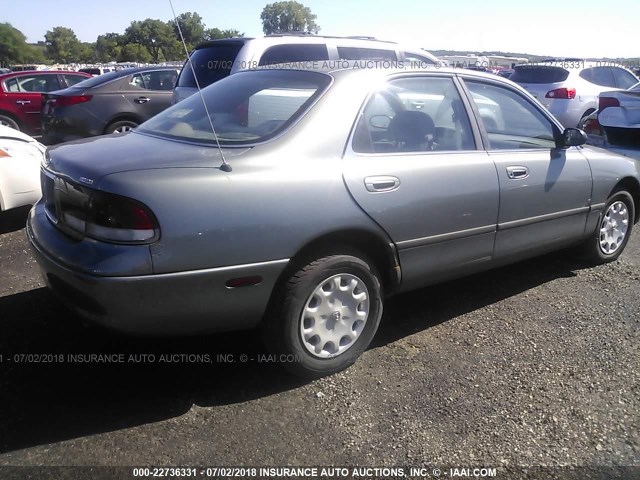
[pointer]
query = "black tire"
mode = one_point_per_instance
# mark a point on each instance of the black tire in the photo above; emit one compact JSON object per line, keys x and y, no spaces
{"x":9,"y":122}
{"x":282,"y":328}
{"x":115,"y":126}
{"x":592,"y":249}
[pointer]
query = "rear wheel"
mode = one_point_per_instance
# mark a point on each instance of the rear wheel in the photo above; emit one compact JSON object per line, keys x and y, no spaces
{"x":613,"y":230}
{"x":9,"y":122}
{"x":121,"y":126}
{"x":325,"y":316}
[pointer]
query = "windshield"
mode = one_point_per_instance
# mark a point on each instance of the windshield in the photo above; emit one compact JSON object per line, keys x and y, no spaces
{"x":249,"y":108}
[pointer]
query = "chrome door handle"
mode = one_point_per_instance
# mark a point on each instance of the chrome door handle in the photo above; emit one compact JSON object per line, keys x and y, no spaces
{"x":142,"y":100}
{"x":23,"y":102}
{"x":517,"y":172}
{"x":381,"y":183}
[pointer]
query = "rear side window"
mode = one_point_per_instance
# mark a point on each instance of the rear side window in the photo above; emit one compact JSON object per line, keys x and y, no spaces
{"x":356,"y":53}
{"x":602,"y":76}
{"x":294,"y":53}
{"x":210,"y":63}
{"x":538,"y":74}
{"x":73,"y":79}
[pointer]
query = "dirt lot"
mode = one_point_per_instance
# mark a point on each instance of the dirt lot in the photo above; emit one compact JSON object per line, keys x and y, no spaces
{"x":534,"y":364}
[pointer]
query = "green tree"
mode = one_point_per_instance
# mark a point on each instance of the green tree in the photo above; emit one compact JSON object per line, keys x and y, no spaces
{"x":290,"y":16}
{"x":134,"y":52}
{"x":192,"y":27}
{"x":214,"y":33}
{"x":156,"y":36}
{"x":86,"y":53}
{"x":108,"y":47}
{"x":62,"y":45}
{"x":14,"y":48}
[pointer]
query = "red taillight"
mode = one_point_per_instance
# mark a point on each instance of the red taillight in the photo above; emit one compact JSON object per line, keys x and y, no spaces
{"x":604,"y":102}
{"x":566,"y":93}
{"x":82,"y":211}
{"x":67,"y":101}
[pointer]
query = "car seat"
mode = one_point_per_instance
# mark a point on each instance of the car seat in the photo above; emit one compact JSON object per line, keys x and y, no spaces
{"x":412,"y":131}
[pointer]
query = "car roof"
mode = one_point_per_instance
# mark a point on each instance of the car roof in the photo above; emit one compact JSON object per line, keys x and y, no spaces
{"x":287,"y":38}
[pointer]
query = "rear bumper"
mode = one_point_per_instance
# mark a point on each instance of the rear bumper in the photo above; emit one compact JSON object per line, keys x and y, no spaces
{"x":181,"y":303}
{"x":619,"y":117}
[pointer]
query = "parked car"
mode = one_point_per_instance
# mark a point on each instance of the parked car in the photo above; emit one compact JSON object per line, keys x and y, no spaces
{"x":619,"y":115}
{"x":216,"y":59}
{"x":21,"y":96}
{"x":113,"y":102}
{"x":95,"y":71}
{"x":20,"y":159}
{"x":569,"y":88}
{"x":319,"y":194}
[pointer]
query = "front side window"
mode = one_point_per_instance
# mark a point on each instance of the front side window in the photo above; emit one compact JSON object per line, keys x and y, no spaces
{"x":511,"y":122}
{"x":252,"y":107}
{"x":623,"y":78}
{"x":414,"y":114}
{"x":602,"y":76}
{"x":159,"y":80}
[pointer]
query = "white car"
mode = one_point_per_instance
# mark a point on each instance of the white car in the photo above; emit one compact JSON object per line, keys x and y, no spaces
{"x":20,"y":160}
{"x":569,"y":88}
{"x":619,"y":114}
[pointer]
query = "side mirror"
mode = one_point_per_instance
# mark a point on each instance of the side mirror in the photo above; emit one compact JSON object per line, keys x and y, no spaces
{"x":573,"y":137}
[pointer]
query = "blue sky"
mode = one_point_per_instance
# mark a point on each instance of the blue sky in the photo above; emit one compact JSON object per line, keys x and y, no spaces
{"x":546,"y":27}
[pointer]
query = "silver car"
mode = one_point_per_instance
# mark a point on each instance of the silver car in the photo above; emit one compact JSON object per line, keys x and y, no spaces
{"x":320,"y":194}
{"x":619,"y":114}
{"x":569,"y":88}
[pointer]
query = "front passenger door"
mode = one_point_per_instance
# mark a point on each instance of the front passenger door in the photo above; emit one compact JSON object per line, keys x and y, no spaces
{"x":545,"y":191}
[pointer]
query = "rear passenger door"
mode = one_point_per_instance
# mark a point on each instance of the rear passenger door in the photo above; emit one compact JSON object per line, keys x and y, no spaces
{"x":149,"y":93}
{"x":413,"y":167}
{"x":545,"y":191}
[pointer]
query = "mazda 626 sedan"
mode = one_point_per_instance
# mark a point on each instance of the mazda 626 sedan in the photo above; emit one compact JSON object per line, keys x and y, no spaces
{"x":319,"y":194}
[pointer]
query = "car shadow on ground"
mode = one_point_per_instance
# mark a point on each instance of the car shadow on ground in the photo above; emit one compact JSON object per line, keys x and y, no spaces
{"x":14,"y":219}
{"x":52,"y":390}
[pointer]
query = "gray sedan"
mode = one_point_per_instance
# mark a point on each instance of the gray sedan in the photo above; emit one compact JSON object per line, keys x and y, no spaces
{"x":298,"y":200}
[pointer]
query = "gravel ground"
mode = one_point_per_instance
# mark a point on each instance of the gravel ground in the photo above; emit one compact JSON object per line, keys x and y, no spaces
{"x":533,"y":364}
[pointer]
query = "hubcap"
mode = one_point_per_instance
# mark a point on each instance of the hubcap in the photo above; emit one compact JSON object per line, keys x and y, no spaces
{"x":613,"y":228}
{"x":123,"y":129}
{"x":334,"y":316}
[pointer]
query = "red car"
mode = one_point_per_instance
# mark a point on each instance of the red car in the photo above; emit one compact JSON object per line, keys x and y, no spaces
{"x":21,"y":96}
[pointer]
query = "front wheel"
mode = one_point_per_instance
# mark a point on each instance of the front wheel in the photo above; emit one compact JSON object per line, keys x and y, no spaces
{"x":325,"y":316}
{"x":613,"y":230}
{"x":9,"y":122}
{"x":122,"y":126}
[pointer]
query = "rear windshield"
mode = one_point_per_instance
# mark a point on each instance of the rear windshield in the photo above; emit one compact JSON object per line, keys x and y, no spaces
{"x":91,"y":71}
{"x":538,"y":74}
{"x":211,"y":63}
{"x":249,"y":108}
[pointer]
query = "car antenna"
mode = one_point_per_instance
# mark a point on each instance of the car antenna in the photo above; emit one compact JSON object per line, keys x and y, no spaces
{"x":225,"y":167}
